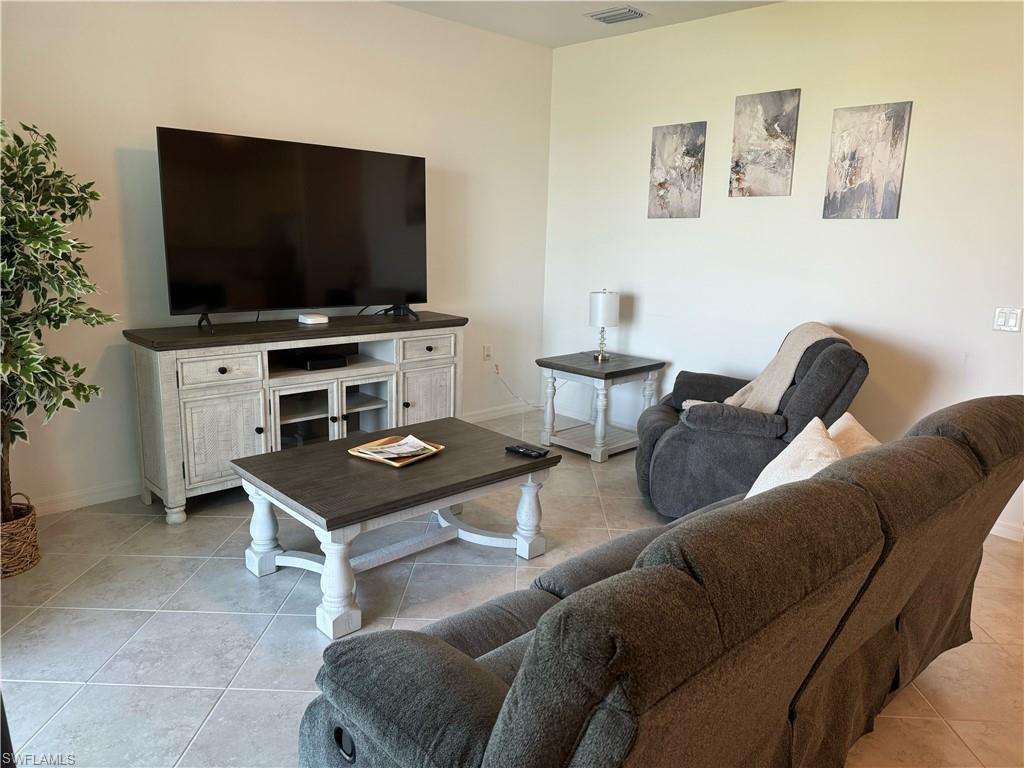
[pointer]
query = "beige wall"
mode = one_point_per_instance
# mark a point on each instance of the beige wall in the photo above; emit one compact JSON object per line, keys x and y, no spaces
{"x":719,"y":292}
{"x":102,"y":76}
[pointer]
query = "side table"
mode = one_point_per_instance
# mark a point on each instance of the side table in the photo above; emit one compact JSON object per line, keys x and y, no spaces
{"x":600,"y":439}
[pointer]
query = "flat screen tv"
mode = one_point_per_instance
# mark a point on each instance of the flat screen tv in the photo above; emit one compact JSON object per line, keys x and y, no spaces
{"x":257,"y":224}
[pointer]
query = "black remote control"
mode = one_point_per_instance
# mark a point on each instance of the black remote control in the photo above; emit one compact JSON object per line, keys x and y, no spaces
{"x":528,"y":451}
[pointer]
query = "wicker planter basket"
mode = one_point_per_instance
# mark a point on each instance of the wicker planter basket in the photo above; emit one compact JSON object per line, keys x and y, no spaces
{"x":19,"y":541}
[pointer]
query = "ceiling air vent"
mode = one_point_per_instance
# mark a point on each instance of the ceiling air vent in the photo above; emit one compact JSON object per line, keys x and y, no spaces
{"x":617,"y":15}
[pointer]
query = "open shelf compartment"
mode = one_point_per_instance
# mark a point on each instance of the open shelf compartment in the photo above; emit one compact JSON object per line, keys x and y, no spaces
{"x":366,"y":405}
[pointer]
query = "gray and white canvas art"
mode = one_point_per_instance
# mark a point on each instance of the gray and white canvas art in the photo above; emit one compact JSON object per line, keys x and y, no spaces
{"x":677,"y":171}
{"x":764,"y":144}
{"x":865,"y":165}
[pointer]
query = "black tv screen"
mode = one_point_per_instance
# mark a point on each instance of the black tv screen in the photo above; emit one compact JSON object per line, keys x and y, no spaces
{"x":257,"y":224}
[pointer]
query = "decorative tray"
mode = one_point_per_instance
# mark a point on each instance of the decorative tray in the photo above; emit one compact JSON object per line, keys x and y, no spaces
{"x":394,"y":462}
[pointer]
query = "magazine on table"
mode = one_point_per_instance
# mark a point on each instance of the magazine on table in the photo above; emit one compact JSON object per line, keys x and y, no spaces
{"x":405,"y":448}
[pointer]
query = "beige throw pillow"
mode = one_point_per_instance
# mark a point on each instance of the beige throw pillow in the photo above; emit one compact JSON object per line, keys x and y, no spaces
{"x":809,"y":452}
{"x":850,"y":437}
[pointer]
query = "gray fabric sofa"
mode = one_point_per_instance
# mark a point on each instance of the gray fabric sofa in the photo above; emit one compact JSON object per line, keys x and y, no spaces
{"x":686,"y":461}
{"x":756,"y":632}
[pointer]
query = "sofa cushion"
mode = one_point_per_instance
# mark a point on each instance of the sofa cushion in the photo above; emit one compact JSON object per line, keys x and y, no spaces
{"x":992,"y":427}
{"x":908,"y":479}
{"x":759,"y":556}
{"x":490,"y":625}
{"x":596,"y":564}
{"x":505,"y":660}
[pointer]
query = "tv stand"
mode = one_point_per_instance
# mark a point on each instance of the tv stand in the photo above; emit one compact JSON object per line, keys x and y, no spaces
{"x":205,"y":318}
{"x":206,"y":399}
{"x":400,"y":310}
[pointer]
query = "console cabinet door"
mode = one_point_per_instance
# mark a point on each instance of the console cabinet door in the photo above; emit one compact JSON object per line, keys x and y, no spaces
{"x":427,"y":394}
{"x":220,"y":427}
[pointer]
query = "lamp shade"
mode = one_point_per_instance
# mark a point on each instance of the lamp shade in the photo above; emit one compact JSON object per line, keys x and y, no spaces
{"x":604,"y":309}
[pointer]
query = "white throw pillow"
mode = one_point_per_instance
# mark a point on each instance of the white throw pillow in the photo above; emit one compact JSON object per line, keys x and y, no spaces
{"x":850,"y":437}
{"x":809,"y":452}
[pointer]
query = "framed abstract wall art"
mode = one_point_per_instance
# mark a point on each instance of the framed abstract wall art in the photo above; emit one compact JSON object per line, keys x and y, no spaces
{"x":677,"y":171}
{"x":764,"y":144}
{"x":865,"y":165}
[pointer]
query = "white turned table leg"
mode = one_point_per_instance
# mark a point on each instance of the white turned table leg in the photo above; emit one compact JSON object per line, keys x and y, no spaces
{"x":649,"y":388}
{"x":261,"y":555}
{"x":529,"y":541}
{"x":146,"y":495}
{"x":599,"y":453}
{"x":175,"y":515}
{"x":338,"y":613}
{"x":549,"y":407}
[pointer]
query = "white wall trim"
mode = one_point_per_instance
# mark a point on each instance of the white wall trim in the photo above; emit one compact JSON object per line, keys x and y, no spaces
{"x":1007,"y":530}
{"x":63,"y":502}
{"x":497,"y":412}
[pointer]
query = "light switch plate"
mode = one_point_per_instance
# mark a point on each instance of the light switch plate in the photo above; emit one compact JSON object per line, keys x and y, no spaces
{"x":1007,"y":319}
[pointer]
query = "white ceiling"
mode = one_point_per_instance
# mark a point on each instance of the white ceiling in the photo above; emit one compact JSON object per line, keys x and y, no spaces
{"x":559,"y":22}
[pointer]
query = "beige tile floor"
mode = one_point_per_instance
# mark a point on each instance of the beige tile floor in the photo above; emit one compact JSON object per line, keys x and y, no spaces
{"x":134,"y":643}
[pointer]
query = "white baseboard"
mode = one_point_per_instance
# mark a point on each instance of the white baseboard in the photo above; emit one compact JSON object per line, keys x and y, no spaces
{"x":1007,"y":530}
{"x":63,"y":502}
{"x":497,"y":411}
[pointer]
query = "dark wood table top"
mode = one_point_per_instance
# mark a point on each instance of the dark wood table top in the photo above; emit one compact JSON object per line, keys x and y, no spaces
{"x":332,"y":489}
{"x":584,"y":364}
{"x":231,"y":334}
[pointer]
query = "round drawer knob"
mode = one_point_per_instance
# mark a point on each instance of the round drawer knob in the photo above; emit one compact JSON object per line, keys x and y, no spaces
{"x":222,"y":370}
{"x":334,"y":419}
{"x":407,"y":404}
{"x":259,"y":430}
{"x":430,"y":348}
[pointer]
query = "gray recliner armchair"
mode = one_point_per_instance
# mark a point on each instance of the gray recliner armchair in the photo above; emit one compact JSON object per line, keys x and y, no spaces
{"x":687,"y":460}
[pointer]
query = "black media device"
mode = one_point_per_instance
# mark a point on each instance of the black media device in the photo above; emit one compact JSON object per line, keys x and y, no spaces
{"x":257,"y":224}
{"x":311,"y":361}
{"x":528,"y":451}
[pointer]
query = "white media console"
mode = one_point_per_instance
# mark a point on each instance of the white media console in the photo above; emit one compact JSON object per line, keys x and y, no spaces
{"x":209,"y":396}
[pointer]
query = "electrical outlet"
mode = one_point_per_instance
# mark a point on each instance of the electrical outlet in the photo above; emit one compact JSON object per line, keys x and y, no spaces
{"x":1007,"y":319}
{"x":488,"y":352}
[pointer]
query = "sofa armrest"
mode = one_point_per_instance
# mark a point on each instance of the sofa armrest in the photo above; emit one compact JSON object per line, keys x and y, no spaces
{"x":718,"y":417}
{"x":405,"y":699}
{"x":711,"y":387}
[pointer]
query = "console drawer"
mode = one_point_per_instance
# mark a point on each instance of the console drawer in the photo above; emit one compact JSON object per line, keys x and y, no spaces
{"x":428,"y":347}
{"x":220,"y":369}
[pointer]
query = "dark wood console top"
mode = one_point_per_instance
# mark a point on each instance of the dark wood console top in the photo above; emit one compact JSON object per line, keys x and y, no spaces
{"x":233,"y":334}
{"x":584,"y":364}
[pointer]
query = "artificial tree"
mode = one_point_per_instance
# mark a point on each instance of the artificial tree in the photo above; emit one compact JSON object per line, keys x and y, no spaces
{"x":43,"y":282}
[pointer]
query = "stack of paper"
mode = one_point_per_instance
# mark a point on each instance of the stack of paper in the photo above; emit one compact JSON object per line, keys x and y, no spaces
{"x":405,"y":448}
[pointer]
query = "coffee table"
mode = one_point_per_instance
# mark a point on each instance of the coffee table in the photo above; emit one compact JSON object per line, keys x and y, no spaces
{"x":340,"y":496}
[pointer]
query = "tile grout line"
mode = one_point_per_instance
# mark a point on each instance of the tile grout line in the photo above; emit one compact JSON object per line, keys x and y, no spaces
{"x":405,"y":591}
{"x":155,"y":612}
{"x":61,"y":708}
{"x":80,"y":684}
{"x":961,"y":740}
{"x":224,"y":690}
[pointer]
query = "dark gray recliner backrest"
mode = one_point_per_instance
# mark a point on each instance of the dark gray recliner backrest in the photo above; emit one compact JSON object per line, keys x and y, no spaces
{"x":827,"y":378}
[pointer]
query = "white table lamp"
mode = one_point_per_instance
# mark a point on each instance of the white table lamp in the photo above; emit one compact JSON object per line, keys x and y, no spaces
{"x":604,"y":313}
